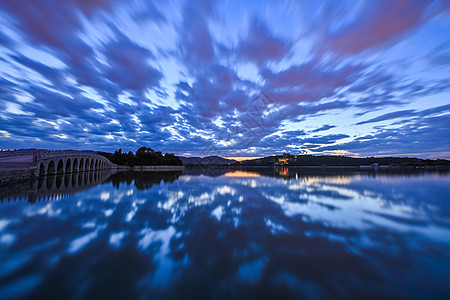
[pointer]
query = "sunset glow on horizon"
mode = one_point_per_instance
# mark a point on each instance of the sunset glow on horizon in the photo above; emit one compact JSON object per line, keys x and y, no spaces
{"x":242,"y":158}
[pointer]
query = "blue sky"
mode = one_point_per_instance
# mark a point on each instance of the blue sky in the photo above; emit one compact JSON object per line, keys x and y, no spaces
{"x":233,"y":78}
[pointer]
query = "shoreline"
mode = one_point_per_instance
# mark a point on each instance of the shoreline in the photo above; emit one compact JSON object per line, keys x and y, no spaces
{"x":10,"y":176}
{"x":150,"y":168}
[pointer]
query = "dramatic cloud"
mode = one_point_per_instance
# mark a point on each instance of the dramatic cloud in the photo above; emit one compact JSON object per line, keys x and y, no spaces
{"x":411,"y":139}
{"x":196,"y":42}
{"x":129,"y":68}
{"x":377,"y":25}
{"x":260,"y":46}
{"x":226,"y":77}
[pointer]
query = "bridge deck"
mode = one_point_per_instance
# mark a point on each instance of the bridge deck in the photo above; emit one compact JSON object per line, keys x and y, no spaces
{"x":7,"y":166}
{"x":17,"y":158}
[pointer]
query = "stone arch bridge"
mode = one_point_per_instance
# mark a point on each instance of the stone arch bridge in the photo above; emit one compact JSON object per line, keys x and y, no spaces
{"x":60,"y":162}
{"x":52,"y":162}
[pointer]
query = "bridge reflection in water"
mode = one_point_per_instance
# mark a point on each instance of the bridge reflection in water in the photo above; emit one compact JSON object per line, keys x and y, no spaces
{"x":52,"y":187}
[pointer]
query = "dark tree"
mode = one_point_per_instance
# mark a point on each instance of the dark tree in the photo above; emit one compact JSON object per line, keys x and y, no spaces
{"x":145,"y":156}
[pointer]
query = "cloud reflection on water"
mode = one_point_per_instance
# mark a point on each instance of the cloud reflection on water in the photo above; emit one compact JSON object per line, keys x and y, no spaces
{"x":316,"y":234}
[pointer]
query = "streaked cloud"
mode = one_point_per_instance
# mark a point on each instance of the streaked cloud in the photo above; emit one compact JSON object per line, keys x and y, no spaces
{"x":230,"y":78}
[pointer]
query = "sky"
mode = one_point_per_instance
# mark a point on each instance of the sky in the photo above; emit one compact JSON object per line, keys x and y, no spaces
{"x":229,"y":78}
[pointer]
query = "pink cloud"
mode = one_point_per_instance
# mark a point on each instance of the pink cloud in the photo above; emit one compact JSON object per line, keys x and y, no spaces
{"x":378,"y":25}
{"x":307,"y":83}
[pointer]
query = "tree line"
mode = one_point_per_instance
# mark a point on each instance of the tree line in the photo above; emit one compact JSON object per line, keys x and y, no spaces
{"x":144,"y":156}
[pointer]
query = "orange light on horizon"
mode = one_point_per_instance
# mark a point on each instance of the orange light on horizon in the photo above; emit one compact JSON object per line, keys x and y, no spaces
{"x":242,"y":158}
{"x":241,"y":174}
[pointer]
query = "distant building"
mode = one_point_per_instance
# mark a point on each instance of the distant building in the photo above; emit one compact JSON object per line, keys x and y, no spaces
{"x":282,"y":161}
{"x":285,"y":158}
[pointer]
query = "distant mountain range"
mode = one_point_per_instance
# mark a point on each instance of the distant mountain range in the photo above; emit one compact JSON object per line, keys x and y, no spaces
{"x":208,"y":160}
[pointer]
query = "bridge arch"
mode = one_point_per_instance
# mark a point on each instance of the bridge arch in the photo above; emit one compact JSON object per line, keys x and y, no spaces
{"x":81,"y":168}
{"x":41,"y":169}
{"x":51,"y":168}
{"x":68,"y":166}
{"x":75,"y":165}
{"x":91,"y":168}
{"x":86,"y":167}
{"x":60,"y":167}
{"x":96,"y":164}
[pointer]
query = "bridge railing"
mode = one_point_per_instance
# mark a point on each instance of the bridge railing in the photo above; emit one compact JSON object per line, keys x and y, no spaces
{"x":39,"y":154}
{"x":42,"y":154}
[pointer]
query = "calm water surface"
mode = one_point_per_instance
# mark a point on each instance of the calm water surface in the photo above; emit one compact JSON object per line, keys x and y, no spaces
{"x":227,"y":234}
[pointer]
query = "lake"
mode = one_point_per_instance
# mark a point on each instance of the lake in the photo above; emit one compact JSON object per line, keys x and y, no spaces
{"x":261,"y":233}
